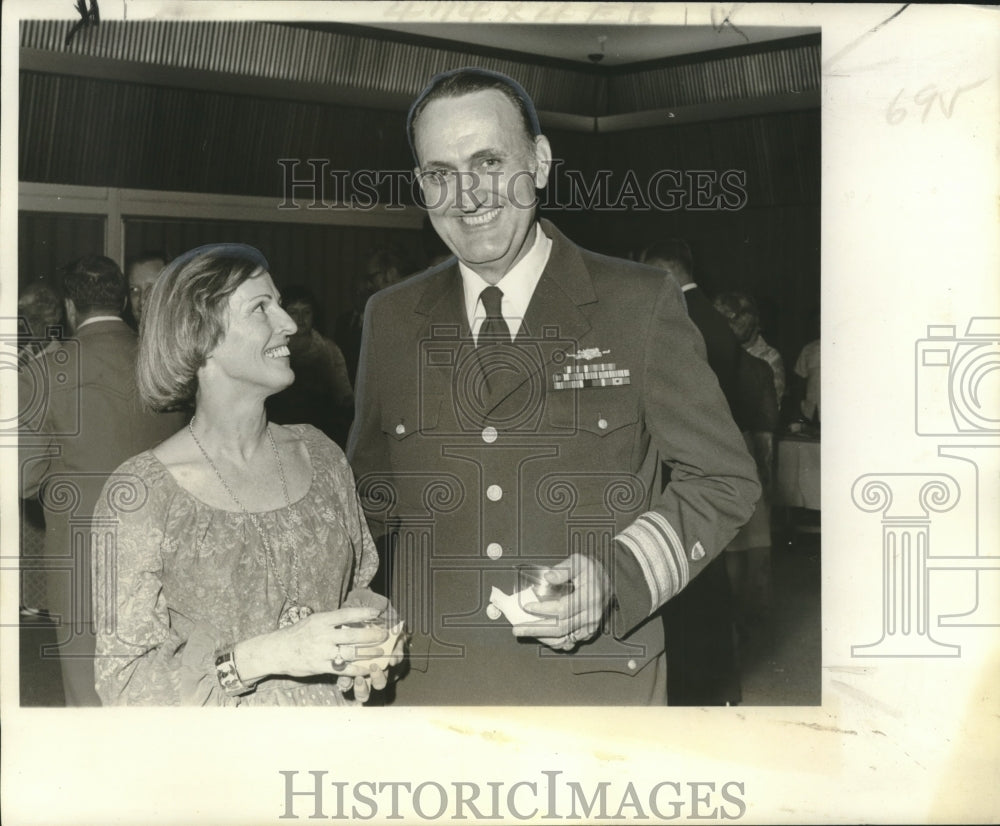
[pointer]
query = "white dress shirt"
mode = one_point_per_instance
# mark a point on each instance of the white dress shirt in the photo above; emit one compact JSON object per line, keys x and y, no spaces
{"x":95,"y":318}
{"x":518,"y":285}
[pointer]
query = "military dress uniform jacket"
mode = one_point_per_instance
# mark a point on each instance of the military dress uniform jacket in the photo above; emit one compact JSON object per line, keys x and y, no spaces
{"x":557,"y":451}
{"x":80,"y":417}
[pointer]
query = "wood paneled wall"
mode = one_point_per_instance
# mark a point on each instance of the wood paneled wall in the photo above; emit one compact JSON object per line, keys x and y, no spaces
{"x":47,"y":241}
{"x":324,"y":259}
{"x":768,"y":247}
{"x":107,"y":133}
{"x":115,"y":134}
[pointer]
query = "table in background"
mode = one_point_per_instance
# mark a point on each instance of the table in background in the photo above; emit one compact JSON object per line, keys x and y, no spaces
{"x":797,"y":480}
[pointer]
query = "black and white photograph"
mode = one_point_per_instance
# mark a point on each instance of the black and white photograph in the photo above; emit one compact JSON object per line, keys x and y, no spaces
{"x":458,"y":364}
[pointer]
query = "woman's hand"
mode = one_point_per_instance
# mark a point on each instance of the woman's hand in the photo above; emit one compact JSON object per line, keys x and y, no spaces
{"x":365,"y":597}
{"x":310,"y":646}
{"x":363,"y":677}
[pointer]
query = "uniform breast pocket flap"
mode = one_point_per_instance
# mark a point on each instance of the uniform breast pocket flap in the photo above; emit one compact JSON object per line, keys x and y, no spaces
{"x":599,"y":411}
{"x":406,"y":415}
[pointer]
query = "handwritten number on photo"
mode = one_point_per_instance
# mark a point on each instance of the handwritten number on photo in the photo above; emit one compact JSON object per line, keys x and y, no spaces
{"x":897,"y":110}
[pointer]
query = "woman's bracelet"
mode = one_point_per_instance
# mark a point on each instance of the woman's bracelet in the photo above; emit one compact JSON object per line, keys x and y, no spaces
{"x":228,"y":676}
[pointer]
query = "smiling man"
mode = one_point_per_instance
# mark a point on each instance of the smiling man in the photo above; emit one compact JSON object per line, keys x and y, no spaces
{"x":479,"y":169}
{"x":514,"y":404}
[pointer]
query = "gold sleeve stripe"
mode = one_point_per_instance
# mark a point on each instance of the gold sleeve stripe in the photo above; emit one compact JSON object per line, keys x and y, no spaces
{"x":658,"y":550}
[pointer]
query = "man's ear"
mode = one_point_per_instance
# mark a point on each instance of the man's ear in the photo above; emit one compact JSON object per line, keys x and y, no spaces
{"x":543,"y":161}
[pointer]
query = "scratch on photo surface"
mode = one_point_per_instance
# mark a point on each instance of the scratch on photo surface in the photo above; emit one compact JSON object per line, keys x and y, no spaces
{"x":891,"y":17}
{"x":859,"y":40}
{"x":608,"y":756}
{"x":850,"y":669}
{"x":490,"y":734}
{"x":819,"y":727}
{"x":866,"y":699}
{"x":457,"y":729}
{"x":727,"y":19}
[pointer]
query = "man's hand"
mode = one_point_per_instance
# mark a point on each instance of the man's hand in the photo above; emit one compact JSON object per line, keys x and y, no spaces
{"x":576,"y":617}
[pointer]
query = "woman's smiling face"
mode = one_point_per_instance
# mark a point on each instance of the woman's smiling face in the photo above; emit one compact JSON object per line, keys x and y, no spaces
{"x":254,"y":348}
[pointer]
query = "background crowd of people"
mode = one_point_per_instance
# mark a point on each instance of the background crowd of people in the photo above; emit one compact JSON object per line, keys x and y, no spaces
{"x":223,"y":412}
{"x":703,"y":625}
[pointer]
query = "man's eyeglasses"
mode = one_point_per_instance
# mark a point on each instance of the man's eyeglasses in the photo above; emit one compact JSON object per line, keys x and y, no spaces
{"x":437,"y":180}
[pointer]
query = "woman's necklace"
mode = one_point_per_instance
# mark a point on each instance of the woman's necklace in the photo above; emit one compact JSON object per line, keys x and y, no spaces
{"x":293,"y":611}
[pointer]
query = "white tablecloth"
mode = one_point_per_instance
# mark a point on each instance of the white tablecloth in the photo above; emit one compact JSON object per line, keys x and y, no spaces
{"x":796,"y":483}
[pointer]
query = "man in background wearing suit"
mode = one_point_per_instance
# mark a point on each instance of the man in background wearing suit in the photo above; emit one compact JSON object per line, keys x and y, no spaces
{"x":673,"y":256}
{"x":515,"y":406}
{"x":80,"y":417}
{"x":384,"y":268}
{"x":699,"y":623}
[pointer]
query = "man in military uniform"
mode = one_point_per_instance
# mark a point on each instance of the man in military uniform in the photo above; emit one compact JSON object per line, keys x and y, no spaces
{"x":514,"y":407}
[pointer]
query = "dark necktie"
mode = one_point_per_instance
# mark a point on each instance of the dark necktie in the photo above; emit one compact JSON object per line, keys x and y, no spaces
{"x":492,"y":344}
{"x":494,"y":329}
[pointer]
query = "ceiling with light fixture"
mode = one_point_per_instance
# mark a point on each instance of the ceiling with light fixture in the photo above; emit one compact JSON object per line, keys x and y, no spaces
{"x":623,"y":44}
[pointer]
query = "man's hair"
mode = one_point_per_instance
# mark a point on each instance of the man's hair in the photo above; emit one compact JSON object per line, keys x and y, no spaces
{"x":671,"y":251}
{"x":95,"y":285}
{"x":40,"y":306}
{"x":741,"y":312}
{"x":145,"y":257}
{"x":383,"y":259}
{"x":465,"y":81}
{"x":299,"y":294}
{"x":185,"y":319}
{"x":738,"y":303}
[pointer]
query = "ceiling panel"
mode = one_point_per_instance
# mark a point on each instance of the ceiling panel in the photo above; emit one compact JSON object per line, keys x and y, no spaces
{"x":620,"y":45}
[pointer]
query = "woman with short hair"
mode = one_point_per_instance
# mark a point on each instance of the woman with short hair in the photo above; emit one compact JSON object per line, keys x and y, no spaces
{"x":237,"y":556}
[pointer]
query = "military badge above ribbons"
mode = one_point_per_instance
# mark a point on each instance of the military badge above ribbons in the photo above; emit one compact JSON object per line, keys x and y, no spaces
{"x":605,"y":374}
